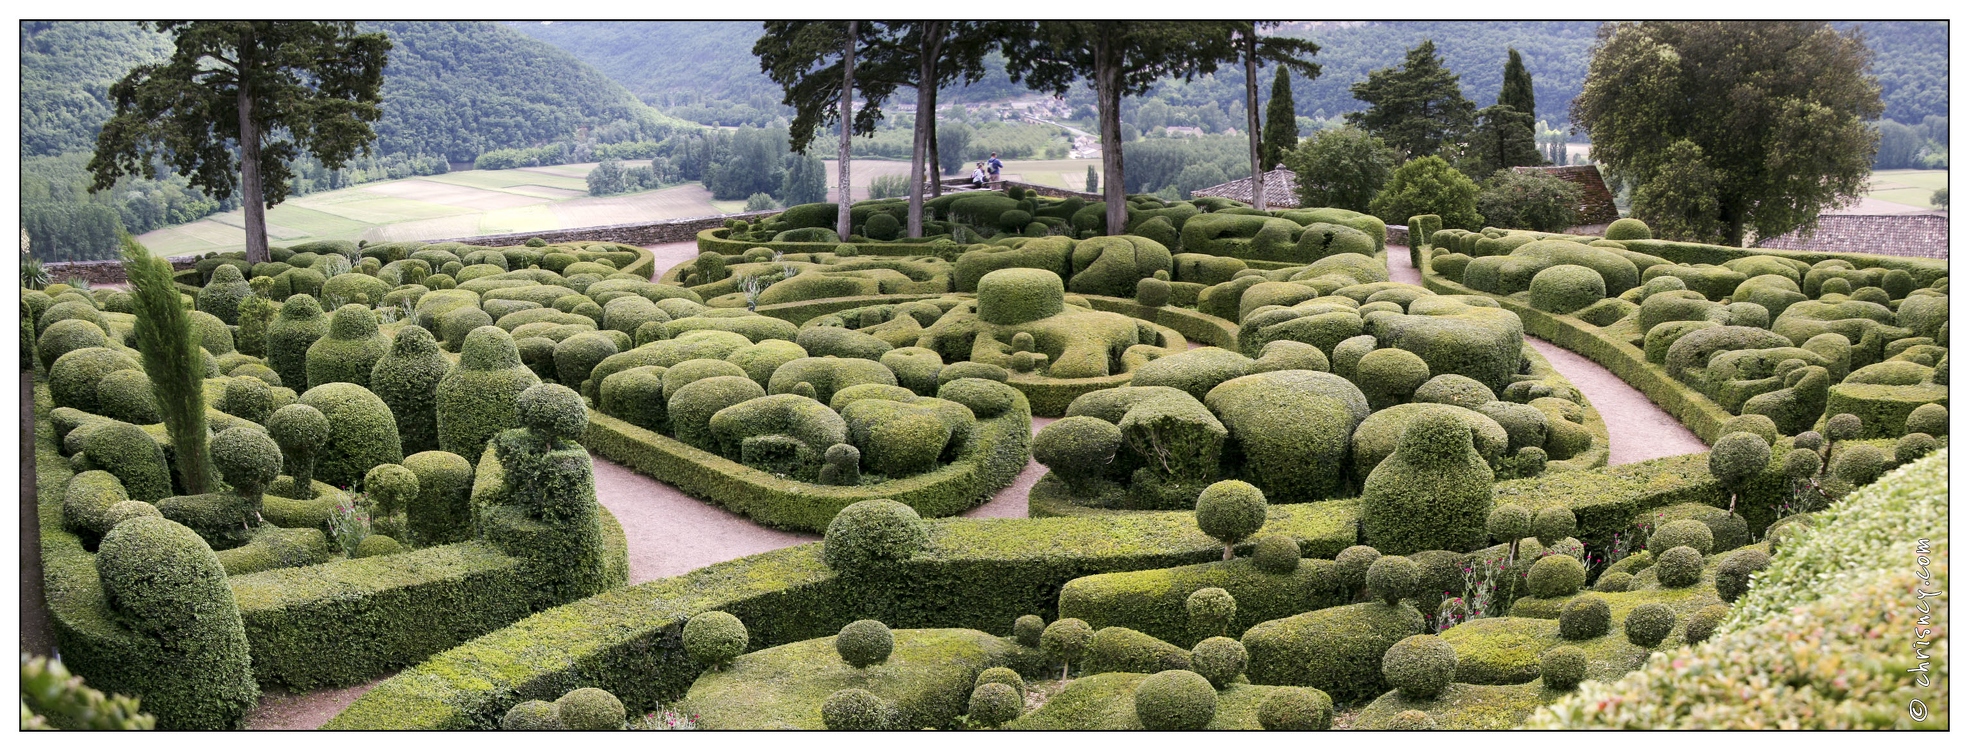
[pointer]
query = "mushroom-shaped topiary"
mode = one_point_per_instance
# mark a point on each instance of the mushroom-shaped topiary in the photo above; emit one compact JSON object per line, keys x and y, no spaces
{"x":714,"y":638}
{"x":1584,"y":617}
{"x":1026,"y":630}
{"x":1733,"y":574}
{"x":1064,"y":641}
{"x":1702,"y":624}
{"x":1928,"y":418}
{"x":300,"y":430}
{"x":856,"y":709}
{"x":1211,"y":610}
{"x":1220,"y":660}
{"x":1649,"y":623}
{"x":590,"y":709}
{"x":1003,"y":675}
{"x":1690,"y":532}
{"x":994,"y":704}
{"x":1801,"y":464}
{"x":1078,"y":450}
{"x":247,"y":459}
{"x":1557,"y":575}
{"x":1420,"y":666}
{"x":1391,"y":578}
{"x":1678,"y":567}
{"x":1275,"y":554}
{"x":1736,"y":459}
{"x":870,"y":532}
{"x":864,"y":643}
{"x":1562,"y":667}
{"x":1553,"y":524}
{"x":1230,"y":510}
{"x":1809,"y":440}
{"x":1175,"y":700}
{"x":532,"y":714}
{"x":1509,"y":524}
{"x":1351,"y":567}
{"x":553,"y":413}
{"x":1293,"y":708}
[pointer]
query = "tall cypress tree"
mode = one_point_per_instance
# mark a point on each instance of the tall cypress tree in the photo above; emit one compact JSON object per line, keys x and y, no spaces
{"x":1517,"y":86}
{"x":169,"y":344}
{"x":1281,"y":125}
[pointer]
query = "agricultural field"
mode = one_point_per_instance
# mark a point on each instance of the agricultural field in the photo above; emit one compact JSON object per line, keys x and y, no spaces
{"x":1912,"y":187}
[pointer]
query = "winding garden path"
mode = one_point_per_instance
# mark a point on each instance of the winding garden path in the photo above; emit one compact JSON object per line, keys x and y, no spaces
{"x":1638,"y":429}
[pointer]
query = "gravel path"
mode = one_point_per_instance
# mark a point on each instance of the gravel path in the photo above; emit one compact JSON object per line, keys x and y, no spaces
{"x":280,"y":710}
{"x":1638,"y":429}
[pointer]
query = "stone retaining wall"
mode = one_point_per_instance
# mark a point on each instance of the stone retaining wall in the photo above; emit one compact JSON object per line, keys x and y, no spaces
{"x":638,"y":233}
{"x":101,"y":272}
{"x":1044,"y":190}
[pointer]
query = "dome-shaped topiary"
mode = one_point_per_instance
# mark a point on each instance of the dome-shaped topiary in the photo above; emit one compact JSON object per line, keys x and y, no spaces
{"x":1737,"y":458}
{"x":350,"y":350}
{"x":1928,"y":418}
{"x":1810,"y":440}
{"x":1733,"y":574}
{"x":407,"y":380}
{"x":1432,"y":493}
{"x":299,"y":326}
{"x":247,"y":459}
{"x":864,"y":643}
{"x":126,"y":395}
{"x":1702,"y":624}
{"x":1761,"y":426}
{"x":1584,"y":617}
{"x":1026,"y":630}
{"x":1690,"y":532}
{"x":1390,"y":376}
{"x":1802,"y":464}
{"x":1613,"y":581}
{"x":1293,"y":708}
{"x":1566,"y":288}
{"x":1557,"y":575}
{"x":532,"y":714}
{"x":1064,"y":641}
{"x":480,"y":397}
{"x":68,"y":336}
{"x":1151,"y":292}
{"x":1412,"y":719}
{"x":392,"y":487}
{"x":1678,"y":567}
{"x":1859,"y":463}
{"x":870,"y":532}
{"x":856,"y":709}
{"x":1211,"y":610}
{"x":714,"y":638}
{"x":1420,"y":666}
{"x":1392,"y":578}
{"x":161,"y":580}
{"x":1005,"y":676}
{"x":1014,"y":296}
{"x":1350,"y":566}
{"x":1458,"y":390}
{"x":361,"y":432}
{"x":1562,"y":667}
{"x":1508,"y":523}
{"x":125,"y":510}
{"x":1175,"y":700}
{"x":552,"y":412}
{"x":1230,"y":510}
{"x":1629,"y":229}
{"x":377,"y":545}
{"x":1649,"y":623}
{"x":1219,"y":660}
{"x":591,"y":709}
{"x":1842,"y":427}
{"x":1078,"y":450}
{"x":129,"y":453}
{"x":992,"y":704}
{"x":1552,"y":524}
{"x":1275,"y":554}
{"x":301,"y":431}
{"x":1914,"y":446}
{"x":249,"y":398}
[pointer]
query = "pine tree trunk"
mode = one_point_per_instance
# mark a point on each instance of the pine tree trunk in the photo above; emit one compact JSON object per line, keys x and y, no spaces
{"x":845,"y":195}
{"x":936,"y":161}
{"x":252,"y":192}
{"x":926,"y":121}
{"x":1107,"y":87}
{"x":1251,"y":120}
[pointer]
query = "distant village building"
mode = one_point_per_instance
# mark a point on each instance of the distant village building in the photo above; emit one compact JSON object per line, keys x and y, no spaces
{"x":1918,"y":235}
{"x":1281,"y":189}
{"x":1183,"y":130}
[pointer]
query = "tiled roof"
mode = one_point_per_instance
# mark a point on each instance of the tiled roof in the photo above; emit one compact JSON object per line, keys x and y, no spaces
{"x":1596,"y":206}
{"x":1281,"y":191}
{"x":1917,"y":235}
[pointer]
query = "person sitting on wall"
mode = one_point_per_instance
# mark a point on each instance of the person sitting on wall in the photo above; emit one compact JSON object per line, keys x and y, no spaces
{"x":978,"y":176}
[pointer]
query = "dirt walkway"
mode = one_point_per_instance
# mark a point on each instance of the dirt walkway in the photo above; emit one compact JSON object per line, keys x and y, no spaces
{"x":671,"y":254}
{"x":1638,"y":429}
{"x":280,"y":710}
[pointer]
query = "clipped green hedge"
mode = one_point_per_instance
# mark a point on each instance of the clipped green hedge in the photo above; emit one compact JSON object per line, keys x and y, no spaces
{"x":1152,"y":601}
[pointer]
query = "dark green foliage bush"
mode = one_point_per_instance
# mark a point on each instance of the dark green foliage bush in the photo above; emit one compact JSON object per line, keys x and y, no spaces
{"x":1914,"y":446}
{"x":247,"y":459}
{"x":1629,"y":229}
{"x":350,"y":350}
{"x":842,"y":466}
{"x":442,"y":511}
{"x":992,"y":704}
{"x":1929,"y":418}
{"x":1296,"y":709}
{"x":1211,"y":610}
{"x":1733,"y":574}
{"x":68,"y":336}
{"x":1703,"y":623}
{"x":552,"y":412}
{"x":302,"y":432}
{"x":1613,"y":581}
{"x":1433,"y":493}
{"x":1648,"y":623}
{"x":1351,"y":566}
{"x":1117,"y":649}
{"x":1584,"y":617}
{"x":1026,"y":630}
{"x":1390,"y":376}
{"x":1566,"y":288}
{"x":247,"y":398}
{"x":1420,"y":666}
{"x":407,"y":379}
{"x":1230,"y":511}
{"x":864,"y":643}
{"x":1276,"y":554}
{"x":186,"y":651}
{"x":1559,"y":575}
{"x":872,"y":532}
{"x":590,"y":709}
{"x":126,"y":395}
{"x":1508,"y":523}
{"x":1293,"y":428}
{"x":856,"y":709}
{"x":1859,"y":463}
{"x":1392,"y":578}
{"x":1689,"y":532}
{"x":1065,"y":641}
{"x":1151,"y":292}
{"x":221,"y":296}
{"x":1678,"y":567}
{"x":362,"y":433}
{"x":1219,"y":660}
{"x":1175,"y":700}
{"x":1552,"y":524}
{"x":377,"y":545}
{"x":1428,"y":186}
{"x":76,"y":377}
{"x":299,"y":326}
{"x":576,"y":356}
{"x":1006,"y":676}
{"x":128,"y":452}
{"x":1563,"y":667}
{"x":1337,"y":650}
{"x":480,"y":396}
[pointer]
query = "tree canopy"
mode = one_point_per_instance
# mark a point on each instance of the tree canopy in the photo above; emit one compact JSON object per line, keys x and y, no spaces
{"x":1777,"y":110}
{"x":1417,"y":108}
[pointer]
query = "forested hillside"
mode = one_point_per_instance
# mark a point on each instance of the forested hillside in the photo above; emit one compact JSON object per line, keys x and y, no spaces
{"x":66,"y":71}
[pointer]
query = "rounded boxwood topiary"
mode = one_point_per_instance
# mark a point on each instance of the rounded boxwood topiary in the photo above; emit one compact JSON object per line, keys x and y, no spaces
{"x":377,"y":545}
{"x":127,"y":452}
{"x":191,"y":663}
{"x":407,"y":380}
{"x":1842,"y":427}
{"x":1450,"y":388}
{"x":856,"y":709}
{"x":1078,"y":450}
{"x":1420,"y":666}
{"x":350,"y":351}
{"x":1064,"y":641}
{"x":1733,"y":574}
{"x":126,"y":395}
{"x":1392,"y":577}
{"x":442,"y":512}
{"x":1557,"y":575}
{"x":1613,"y":581}
{"x":249,"y":398}
{"x":1390,"y":376}
{"x":391,"y":486}
{"x":68,"y":336}
{"x":1859,"y":463}
{"x":221,"y":295}
{"x":1351,"y":566}
{"x":1759,"y":425}
{"x":1175,"y":700}
{"x":246,"y":458}
{"x":1802,"y":464}
{"x":1737,"y":458}
{"x":1629,"y":229}
{"x":1566,"y":288}
{"x":361,"y":432}
{"x":1151,"y":292}
{"x":1211,"y":610}
{"x":76,"y":378}
{"x":480,"y":397}
{"x":553,"y":412}
{"x":1508,"y":524}
{"x":1649,"y":623}
{"x":1552,"y":524}
{"x":1562,"y":667}
{"x":1690,"y":532}
{"x":1219,"y":660}
{"x":591,"y":709}
{"x":1432,"y":493}
{"x":870,"y":532}
{"x":714,"y":638}
{"x":1004,"y":675}
{"x":992,"y":704}
{"x":1014,"y":296}
{"x":1702,"y":624}
{"x":1584,"y":617}
{"x":126,"y":510}
{"x":864,"y":643}
{"x":1026,"y":630}
{"x":1276,"y":554}
{"x":1914,"y":446}
{"x":1678,"y":567}
{"x":1294,"y":708}
{"x":532,"y":714}
{"x":1928,"y":418}
{"x":1230,"y":510}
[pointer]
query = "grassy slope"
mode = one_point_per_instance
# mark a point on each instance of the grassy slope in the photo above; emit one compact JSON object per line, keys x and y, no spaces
{"x":1907,"y":186}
